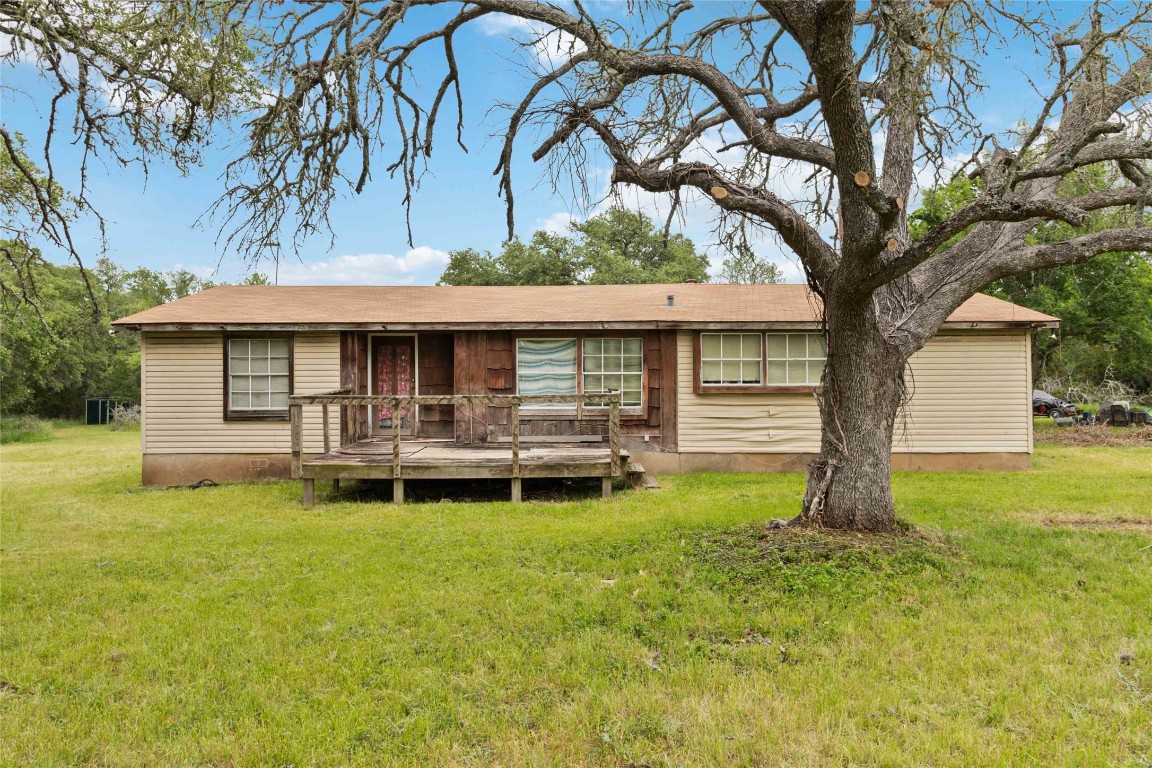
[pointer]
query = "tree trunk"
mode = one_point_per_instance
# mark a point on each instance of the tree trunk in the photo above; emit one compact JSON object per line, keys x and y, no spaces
{"x":850,"y":485}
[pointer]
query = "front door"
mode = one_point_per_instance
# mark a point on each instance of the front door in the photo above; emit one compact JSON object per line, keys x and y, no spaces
{"x":394,"y":373}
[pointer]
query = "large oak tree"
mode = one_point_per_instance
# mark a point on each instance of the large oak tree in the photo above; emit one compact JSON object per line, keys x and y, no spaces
{"x":853,"y":99}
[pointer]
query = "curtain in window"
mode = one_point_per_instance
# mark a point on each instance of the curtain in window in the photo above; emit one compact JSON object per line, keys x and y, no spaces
{"x":546,"y":366}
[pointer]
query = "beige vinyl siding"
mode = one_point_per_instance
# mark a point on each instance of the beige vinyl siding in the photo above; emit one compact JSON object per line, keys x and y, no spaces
{"x":971,"y":394}
{"x":752,"y":423}
{"x":182,"y":385}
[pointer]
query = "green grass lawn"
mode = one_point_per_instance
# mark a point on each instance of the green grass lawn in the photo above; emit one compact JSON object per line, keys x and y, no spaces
{"x":231,"y":626}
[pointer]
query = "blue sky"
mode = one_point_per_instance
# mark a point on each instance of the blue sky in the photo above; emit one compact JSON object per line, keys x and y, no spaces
{"x":151,"y":221}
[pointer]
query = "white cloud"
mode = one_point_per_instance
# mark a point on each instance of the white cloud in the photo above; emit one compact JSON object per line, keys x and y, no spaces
{"x":559,"y":223}
{"x":501,"y":24}
{"x":419,"y":266}
{"x":550,"y":46}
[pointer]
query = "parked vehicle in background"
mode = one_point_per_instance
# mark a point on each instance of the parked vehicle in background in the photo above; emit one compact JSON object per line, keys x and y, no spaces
{"x":1044,"y":404}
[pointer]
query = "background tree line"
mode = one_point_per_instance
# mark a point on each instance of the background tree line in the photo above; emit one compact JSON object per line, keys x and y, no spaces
{"x":59,"y":350}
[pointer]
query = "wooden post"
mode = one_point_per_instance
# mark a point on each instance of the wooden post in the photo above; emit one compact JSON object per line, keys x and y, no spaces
{"x":614,"y":431}
{"x":327,"y":438}
{"x":397,"y":477}
{"x":606,"y":486}
{"x":309,"y":491}
{"x":295,"y":413}
{"x":515,"y":451}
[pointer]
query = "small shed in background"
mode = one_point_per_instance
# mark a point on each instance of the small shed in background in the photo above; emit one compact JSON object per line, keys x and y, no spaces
{"x":98,"y":410}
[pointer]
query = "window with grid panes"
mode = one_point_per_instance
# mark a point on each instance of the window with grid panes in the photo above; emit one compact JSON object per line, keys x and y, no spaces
{"x":616,"y":364}
{"x":794,"y":358}
{"x":258,"y":374}
{"x":731,"y":359}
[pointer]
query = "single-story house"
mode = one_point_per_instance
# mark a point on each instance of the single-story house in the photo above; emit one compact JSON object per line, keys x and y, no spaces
{"x":711,"y":377}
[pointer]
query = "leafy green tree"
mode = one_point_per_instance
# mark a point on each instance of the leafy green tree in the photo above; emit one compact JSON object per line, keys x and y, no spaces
{"x":614,"y":247}
{"x":60,"y":349}
{"x":51,"y":348}
{"x":1105,"y":305}
{"x":746,"y":266}
{"x":621,"y":246}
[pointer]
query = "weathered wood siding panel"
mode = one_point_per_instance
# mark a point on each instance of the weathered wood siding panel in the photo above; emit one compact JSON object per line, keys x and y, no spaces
{"x":435,"y":360}
{"x":183,"y":396}
{"x":970,"y":394}
{"x":354,"y":378}
{"x":669,"y":373}
{"x":469,"y":378}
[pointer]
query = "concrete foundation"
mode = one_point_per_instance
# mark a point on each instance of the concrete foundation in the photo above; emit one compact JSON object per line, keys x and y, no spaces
{"x":188,"y":468}
{"x":674,"y":463}
{"x":165,"y":469}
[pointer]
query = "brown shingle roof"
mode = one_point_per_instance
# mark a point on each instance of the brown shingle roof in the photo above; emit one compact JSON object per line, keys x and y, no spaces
{"x":472,"y":306}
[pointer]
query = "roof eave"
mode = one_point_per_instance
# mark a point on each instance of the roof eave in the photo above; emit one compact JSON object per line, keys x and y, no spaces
{"x":567,"y":325}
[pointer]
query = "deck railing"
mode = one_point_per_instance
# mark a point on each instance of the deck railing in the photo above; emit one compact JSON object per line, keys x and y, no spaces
{"x":349,"y":403}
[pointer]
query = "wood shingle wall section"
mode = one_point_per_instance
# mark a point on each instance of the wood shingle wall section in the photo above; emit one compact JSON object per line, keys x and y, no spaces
{"x":970,"y":393}
{"x":183,"y":395}
{"x":436,"y":364}
{"x":470,"y":378}
{"x":500,"y":362}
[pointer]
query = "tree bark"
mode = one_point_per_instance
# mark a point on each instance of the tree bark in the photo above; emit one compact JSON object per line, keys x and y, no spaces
{"x":849,"y":485}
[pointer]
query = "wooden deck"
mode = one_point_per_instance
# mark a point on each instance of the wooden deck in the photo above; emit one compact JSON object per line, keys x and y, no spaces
{"x":376,"y":457}
{"x":372,"y":459}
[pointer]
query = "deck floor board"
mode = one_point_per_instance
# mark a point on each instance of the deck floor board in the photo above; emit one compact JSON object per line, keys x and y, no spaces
{"x":431,"y":459}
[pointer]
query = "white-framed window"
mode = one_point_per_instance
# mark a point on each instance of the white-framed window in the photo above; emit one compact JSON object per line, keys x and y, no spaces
{"x":794,"y":358}
{"x":259,"y":377}
{"x":546,"y":367}
{"x":731,"y":359}
{"x":616,"y":364}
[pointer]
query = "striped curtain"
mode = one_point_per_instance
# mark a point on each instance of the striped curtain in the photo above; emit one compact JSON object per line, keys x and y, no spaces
{"x":546,"y":366}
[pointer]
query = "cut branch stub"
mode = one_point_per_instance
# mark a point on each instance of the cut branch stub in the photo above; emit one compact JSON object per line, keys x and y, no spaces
{"x":900,"y":202}
{"x":862,"y":178}
{"x":719,"y":193}
{"x":893,"y":244}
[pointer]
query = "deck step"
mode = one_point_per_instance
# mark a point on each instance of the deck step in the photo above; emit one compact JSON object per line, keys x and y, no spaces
{"x":639,"y":478}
